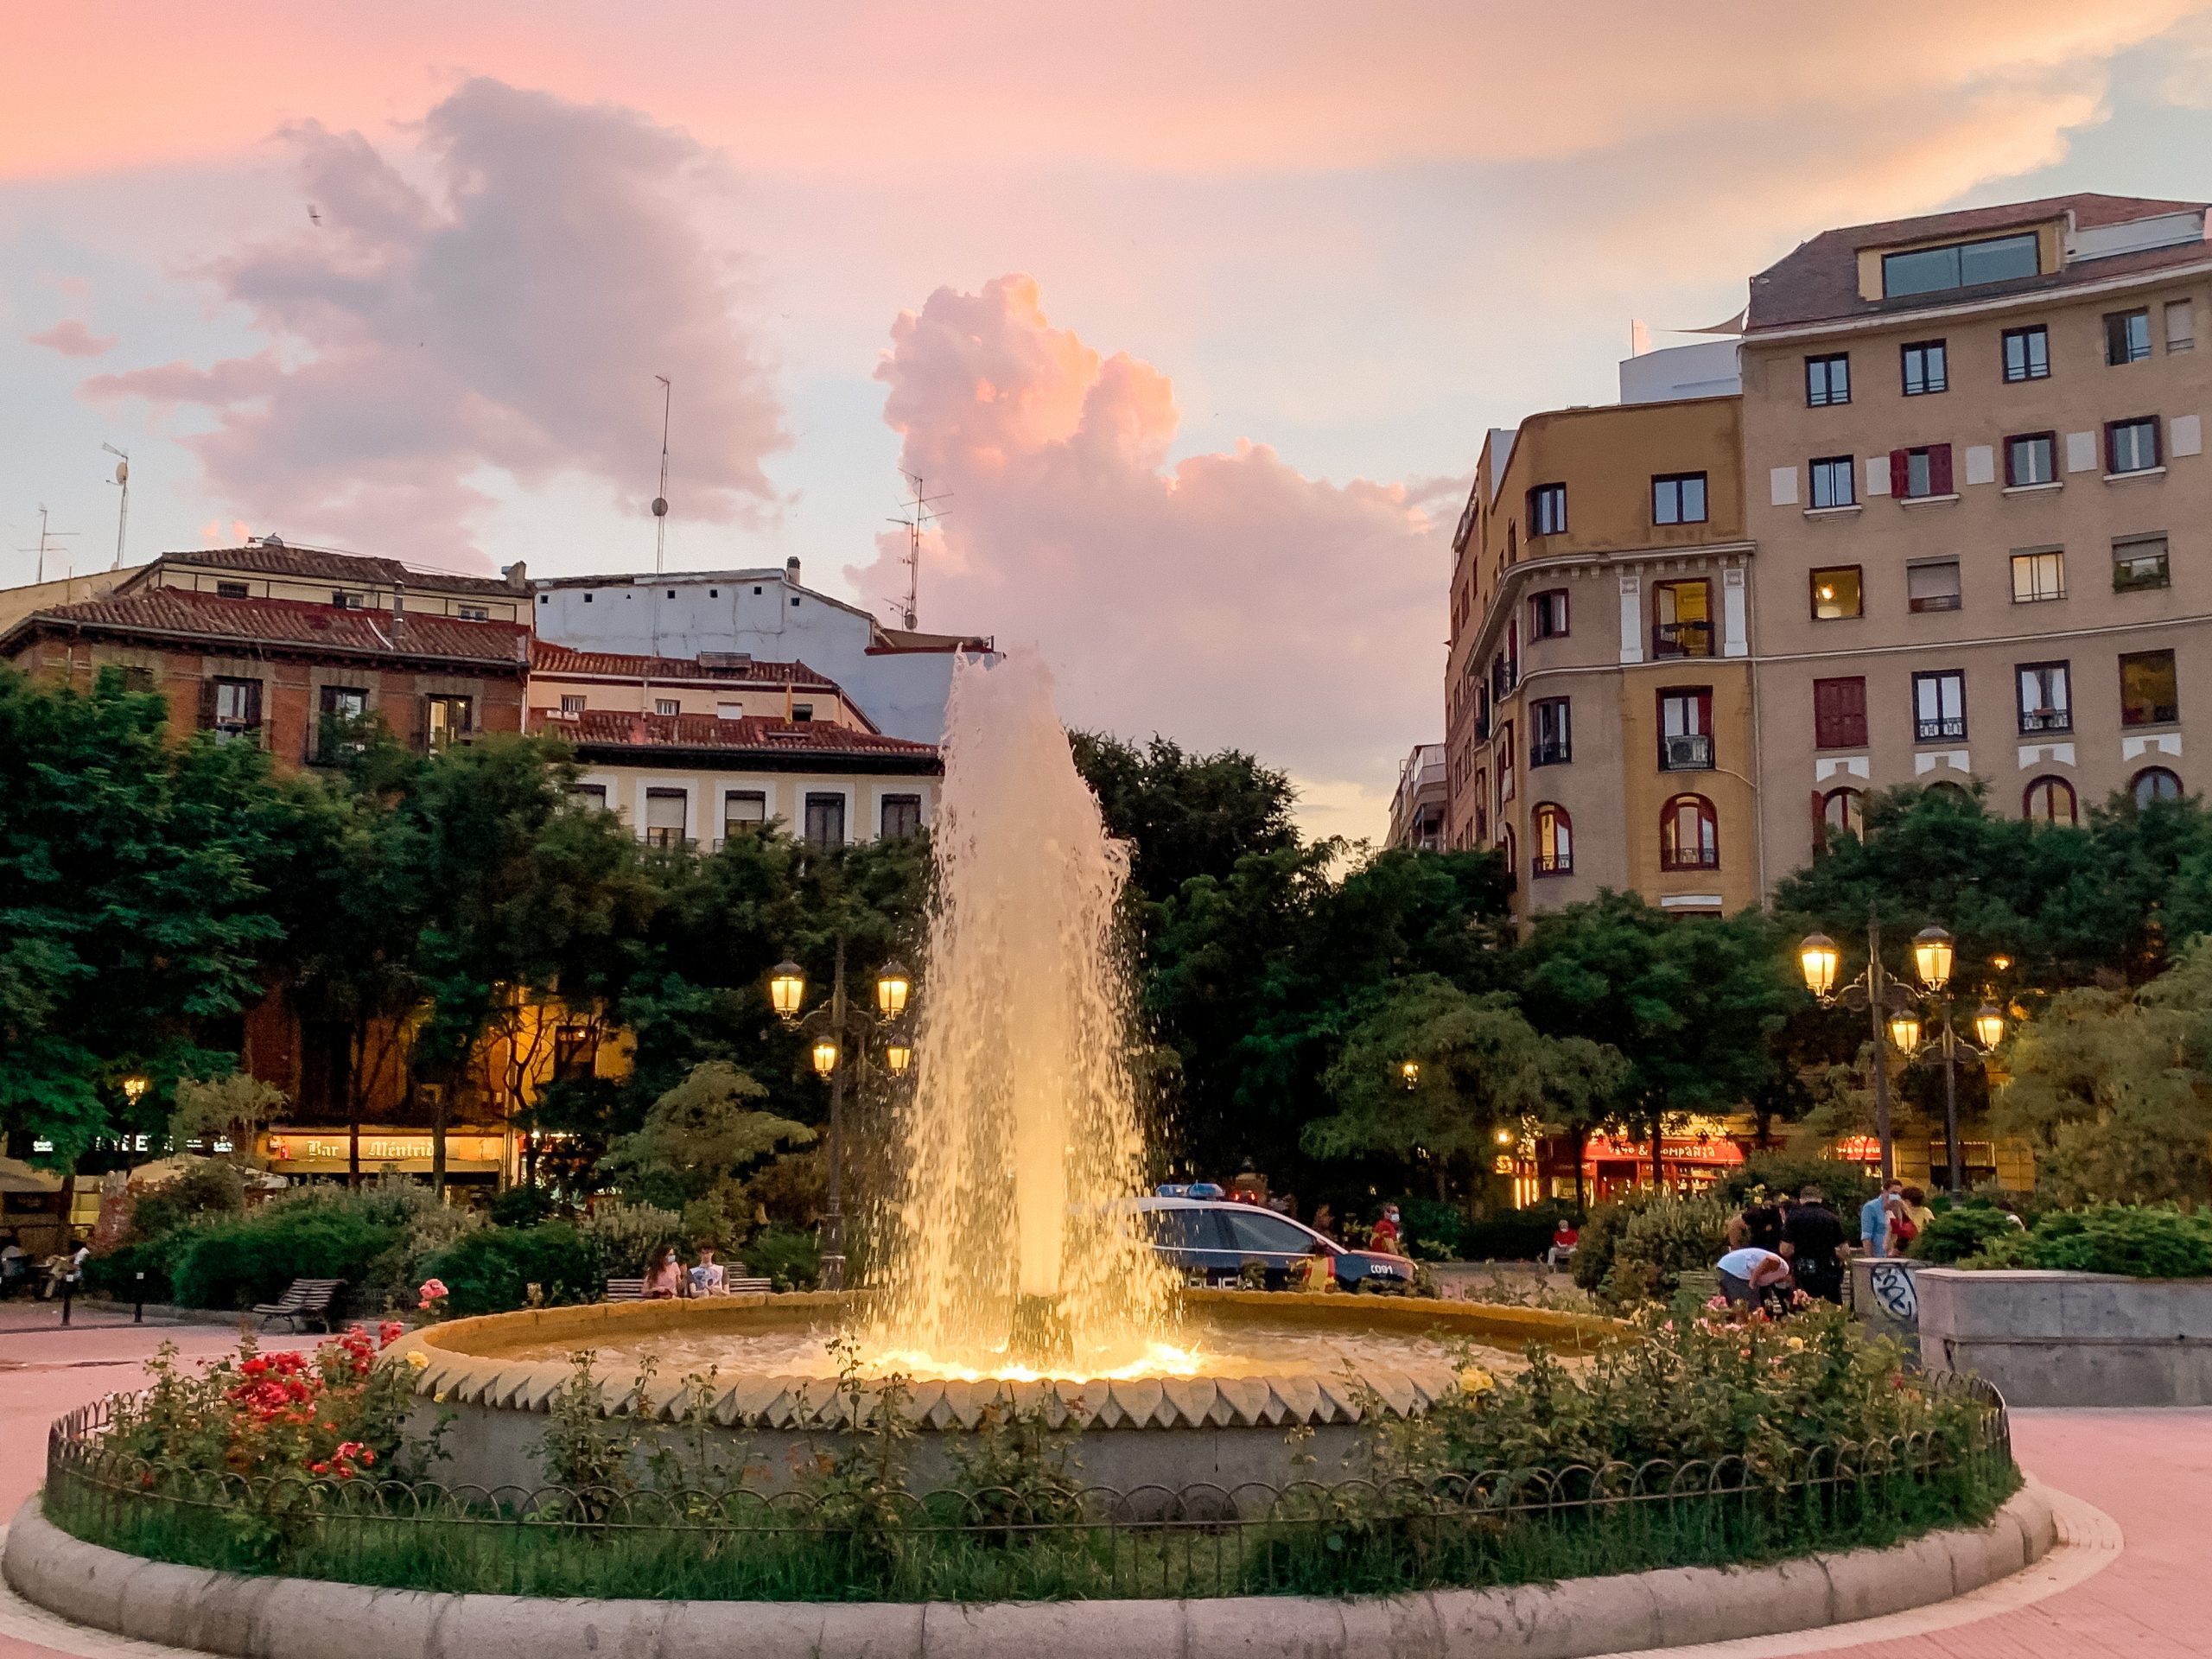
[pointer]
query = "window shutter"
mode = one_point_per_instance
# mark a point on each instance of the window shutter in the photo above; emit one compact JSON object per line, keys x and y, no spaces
{"x":1819,"y":823}
{"x":1939,"y":469}
{"x":206,"y":705}
{"x":1900,"y":472}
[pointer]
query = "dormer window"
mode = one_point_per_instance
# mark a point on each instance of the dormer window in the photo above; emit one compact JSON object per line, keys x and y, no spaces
{"x":1959,"y":264}
{"x":1548,"y":510}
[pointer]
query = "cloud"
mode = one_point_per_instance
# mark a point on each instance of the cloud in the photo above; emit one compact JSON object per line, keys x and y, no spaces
{"x":512,"y":317}
{"x":1225,"y":598}
{"x":72,"y":339}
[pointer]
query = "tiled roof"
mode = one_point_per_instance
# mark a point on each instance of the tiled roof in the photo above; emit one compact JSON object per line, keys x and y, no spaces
{"x":909,"y":640}
{"x":182,"y":614}
{"x":1819,"y":282}
{"x":613,"y":728}
{"x":548,"y":658}
{"x":321,"y":564}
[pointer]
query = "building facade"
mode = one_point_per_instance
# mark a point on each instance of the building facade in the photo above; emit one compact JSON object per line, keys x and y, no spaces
{"x":1598,"y":699}
{"x":1982,"y":509}
{"x":1420,"y":804}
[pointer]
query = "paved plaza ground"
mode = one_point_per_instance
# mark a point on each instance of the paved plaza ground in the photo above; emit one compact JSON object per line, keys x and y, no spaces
{"x":2150,"y":1471}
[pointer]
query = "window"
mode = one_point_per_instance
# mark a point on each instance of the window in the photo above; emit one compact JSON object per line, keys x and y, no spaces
{"x":576,"y":1053}
{"x":2038,"y":576}
{"x":339,"y":709}
{"x":1962,"y":265}
{"x":2132,"y":446}
{"x":2139,"y":561}
{"x":2030,"y":460}
{"x":1921,"y":473}
{"x":2181,"y":325}
{"x":1686,"y":729}
{"x":2127,"y":337}
{"x":1827,"y":380}
{"x":1678,"y":499}
{"x":2027,"y":353}
{"x":233,"y":710}
{"x":1689,"y":835}
{"x":1681,"y":619}
{"x":137,"y":676}
{"x":665,"y":811}
{"x":572,"y":704}
{"x":1836,"y":483}
{"x":1551,"y":742}
{"x":475,"y":613}
{"x":667,"y":706}
{"x":1547,"y":614}
{"x":1504,"y":765}
{"x":1555,"y":834}
{"x":2148,"y":695}
{"x":1924,"y":368}
{"x":743,"y":810}
{"x":447,"y":720}
{"x":729,"y":711}
{"x":344,"y":601}
{"x":802,"y":712}
{"x":231,"y":590}
{"x":2154,"y":784}
{"x":1933,"y":586}
{"x":1548,"y":510}
{"x":2048,"y":800}
{"x":1505,"y":848}
{"x":1836,"y":593}
{"x":1939,"y":706}
{"x":2044,"y":705}
{"x":593,"y":796}
{"x":1843,"y":810}
{"x":825,"y":820}
{"x":902,"y":816}
{"x":1839,"y":714}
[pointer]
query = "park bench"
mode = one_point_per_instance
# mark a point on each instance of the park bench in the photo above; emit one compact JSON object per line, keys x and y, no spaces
{"x":308,"y":1299}
{"x":625,"y":1290}
{"x":746,"y":1286}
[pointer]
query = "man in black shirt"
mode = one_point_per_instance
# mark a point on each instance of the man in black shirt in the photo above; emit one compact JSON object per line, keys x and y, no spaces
{"x":1763,"y":1225}
{"x":1814,"y":1241}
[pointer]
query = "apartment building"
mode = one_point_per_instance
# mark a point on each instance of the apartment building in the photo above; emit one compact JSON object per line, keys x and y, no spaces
{"x":1982,"y":508}
{"x":1598,"y":698}
{"x":1418,"y":806}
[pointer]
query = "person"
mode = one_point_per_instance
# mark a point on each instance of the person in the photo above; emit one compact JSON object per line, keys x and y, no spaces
{"x":1749,"y":1273}
{"x":1325,"y":1221}
{"x":1918,"y":1215}
{"x":1565,"y":1237}
{"x":1814,"y":1241}
{"x":1762,"y":1225}
{"x":665,"y":1275}
{"x":1874,"y":1219}
{"x":1319,"y":1270}
{"x":708,"y":1276}
{"x":1387,"y":1234}
{"x":15,"y":1262}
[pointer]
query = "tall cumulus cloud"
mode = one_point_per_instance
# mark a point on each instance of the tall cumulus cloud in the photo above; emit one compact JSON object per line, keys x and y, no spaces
{"x":510,"y":313}
{"x":1225,"y":598}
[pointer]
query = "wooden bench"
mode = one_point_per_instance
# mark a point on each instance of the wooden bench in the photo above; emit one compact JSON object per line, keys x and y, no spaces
{"x":625,"y":1290}
{"x":746,"y":1286}
{"x":308,"y":1299}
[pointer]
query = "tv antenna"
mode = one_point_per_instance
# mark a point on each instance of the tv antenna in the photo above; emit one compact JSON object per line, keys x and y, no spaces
{"x":918,"y":515}
{"x":660,"y":501}
{"x":44,"y":536}
{"x":123,"y":513}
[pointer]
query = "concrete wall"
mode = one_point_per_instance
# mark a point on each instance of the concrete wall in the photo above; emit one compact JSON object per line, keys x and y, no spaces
{"x":2070,"y":1338}
{"x":786,"y":793}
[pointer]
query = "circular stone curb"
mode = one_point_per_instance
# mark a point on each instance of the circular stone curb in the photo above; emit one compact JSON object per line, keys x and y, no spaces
{"x":302,"y":1618}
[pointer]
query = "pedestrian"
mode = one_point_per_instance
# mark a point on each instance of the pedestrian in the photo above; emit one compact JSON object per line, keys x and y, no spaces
{"x":1388,"y":1235}
{"x":665,"y":1275}
{"x":1918,"y":1215}
{"x":1814,"y":1238}
{"x":1874,"y":1219}
{"x":708,"y":1278}
{"x":14,"y":1261}
{"x":1325,"y":1221}
{"x":1565,"y":1237}
{"x":1762,"y":1226}
{"x":1749,"y":1273}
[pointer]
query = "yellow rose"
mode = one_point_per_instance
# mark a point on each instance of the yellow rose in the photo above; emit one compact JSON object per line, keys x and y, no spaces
{"x":1796,"y":1344}
{"x":1475,"y":1380}
{"x":419,"y":1360}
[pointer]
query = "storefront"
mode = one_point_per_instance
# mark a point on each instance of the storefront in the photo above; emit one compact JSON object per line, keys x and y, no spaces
{"x":473,"y":1156}
{"x":1687,"y":1163}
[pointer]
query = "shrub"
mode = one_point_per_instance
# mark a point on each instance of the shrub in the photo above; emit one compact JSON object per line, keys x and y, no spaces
{"x":1845,"y":1185}
{"x":2142,"y":1243}
{"x":490,"y":1269}
{"x":208,"y":1188}
{"x":523,"y":1206}
{"x":627,"y":1235}
{"x":1601,"y":1235}
{"x":1433,"y":1227}
{"x":1668,"y":1238}
{"x":1953,"y":1235}
{"x":788,"y":1259}
{"x":238,"y":1264}
{"x":115,"y":1273}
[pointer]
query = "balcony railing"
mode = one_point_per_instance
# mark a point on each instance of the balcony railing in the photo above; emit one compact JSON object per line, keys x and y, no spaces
{"x":1936,"y":731}
{"x":2149,"y":714}
{"x":1556,"y":752}
{"x":1686,"y":752}
{"x":2046,"y":720}
{"x":1682,"y":639}
{"x":1546,"y":864}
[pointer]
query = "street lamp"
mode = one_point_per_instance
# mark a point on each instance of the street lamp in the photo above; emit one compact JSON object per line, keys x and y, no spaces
{"x":1989,"y":1026}
{"x":897,"y":1057}
{"x":1931,"y":957}
{"x":1818,"y":958}
{"x":786,"y":989}
{"x":892,"y":987}
{"x":1410,"y":1071}
{"x":1905,"y":1029}
{"x":1819,"y":961}
{"x":134,"y":1087}
{"x":825,"y":1057}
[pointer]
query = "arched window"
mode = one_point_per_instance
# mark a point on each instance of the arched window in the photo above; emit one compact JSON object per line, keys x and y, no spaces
{"x":1955,"y":795}
{"x":1505,"y":845}
{"x":2049,"y":800}
{"x":1843,"y":809}
{"x":2155,"y":783}
{"x":1689,"y":835}
{"x":1555,"y":833}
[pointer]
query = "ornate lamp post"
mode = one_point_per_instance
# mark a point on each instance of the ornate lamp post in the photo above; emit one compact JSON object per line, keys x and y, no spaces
{"x":1932,"y":958}
{"x":1818,"y":960}
{"x":836,"y":1025}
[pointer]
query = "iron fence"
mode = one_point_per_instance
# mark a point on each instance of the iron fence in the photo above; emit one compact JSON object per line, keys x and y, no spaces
{"x":1039,"y":1537}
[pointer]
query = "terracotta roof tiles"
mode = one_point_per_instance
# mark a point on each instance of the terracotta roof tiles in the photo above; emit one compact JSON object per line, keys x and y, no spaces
{"x":182,"y":615}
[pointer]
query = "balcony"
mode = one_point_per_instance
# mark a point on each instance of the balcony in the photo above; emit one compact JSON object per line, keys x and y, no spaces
{"x":1682,"y":639}
{"x":1552,"y":751}
{"x":1686,"y":751}
{"x":2046,"y":720}
{"x":1938,"y":731}
{"x":1545,"y":864}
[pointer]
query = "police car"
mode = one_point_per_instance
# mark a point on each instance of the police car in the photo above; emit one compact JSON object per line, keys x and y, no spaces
{"x":1209,"y":1240}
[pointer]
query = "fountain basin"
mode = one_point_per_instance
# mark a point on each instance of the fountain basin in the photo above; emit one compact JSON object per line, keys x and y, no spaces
{"x":774,"y":1392}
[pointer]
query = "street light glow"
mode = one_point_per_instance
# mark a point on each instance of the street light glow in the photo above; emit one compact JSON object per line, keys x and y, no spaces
{"x":1820,"y":960}
{"x":897,"y":1057}
{"x":1905,"y":1031}
{"x":1410,"y":1071}
{"x":1931,"y":957}
{"x":892,"y":987}
{"x":825,"y":1056}
{"x":1989,"y":1024}
{"x":786,"y":989}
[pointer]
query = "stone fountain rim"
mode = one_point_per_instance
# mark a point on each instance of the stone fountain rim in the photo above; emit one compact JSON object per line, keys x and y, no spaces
{"x":450,"y":1374}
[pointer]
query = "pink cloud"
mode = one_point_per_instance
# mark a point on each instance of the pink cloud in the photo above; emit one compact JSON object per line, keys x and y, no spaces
{"x":72,"y":339}
{"x":1223,"y":598}
{"x":513,"y":318}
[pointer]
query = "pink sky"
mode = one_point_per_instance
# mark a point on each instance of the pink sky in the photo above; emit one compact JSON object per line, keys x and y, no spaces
{"x":1199,"y":311}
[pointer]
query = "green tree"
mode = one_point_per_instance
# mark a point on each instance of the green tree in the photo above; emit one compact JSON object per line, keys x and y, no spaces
{"x":236,"y":1107}
{"x":1185,"y":815}
{"x":704,"y":1133}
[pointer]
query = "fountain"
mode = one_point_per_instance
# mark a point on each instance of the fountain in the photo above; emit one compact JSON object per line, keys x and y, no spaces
{"x":1011,"y":1262}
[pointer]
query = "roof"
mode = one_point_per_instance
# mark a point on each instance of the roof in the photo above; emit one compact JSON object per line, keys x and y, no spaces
{"x":321,"y":564}
{"x":779,"y":742}
{"x":1819,"y":281}
{"x":910,"y":639}
{"x":183,"y":615}
{"x":548,"y":658}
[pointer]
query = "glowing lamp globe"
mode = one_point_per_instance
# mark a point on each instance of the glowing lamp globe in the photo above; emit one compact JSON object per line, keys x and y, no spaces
{"x":892,"y":988}
{"x":1931,"y":957}
{"x":787,"y":989}
{"x":825,"y":1057}
{"x":1819,"y":959}
{"x":1410,"y":1071}
{"x":897,"y":1057}
{"x":133,"y":1087}
{"x":1905,"y":1032}
{"x":1989,"y":1024}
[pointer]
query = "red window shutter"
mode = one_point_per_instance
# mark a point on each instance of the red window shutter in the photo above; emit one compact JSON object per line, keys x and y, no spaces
{"x":1819,"y":823}
{"x":1900,"y":472}
{"x":1939,"y":469}
{"x":1839,"y":713}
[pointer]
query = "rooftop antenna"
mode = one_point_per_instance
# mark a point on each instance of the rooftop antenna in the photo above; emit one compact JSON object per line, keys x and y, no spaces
{"x":660,"y":501}
{"x":44,"y":536}
{"x":123,"y":513}
{"x":919,"y":514}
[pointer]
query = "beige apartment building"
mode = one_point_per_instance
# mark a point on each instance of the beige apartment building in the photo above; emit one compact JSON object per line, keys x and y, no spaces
{"x":1597,"y":705}
{"x":1975,"y":448}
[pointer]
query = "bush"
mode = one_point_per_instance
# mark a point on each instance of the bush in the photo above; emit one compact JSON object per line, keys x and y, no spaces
{"x":237,"y":1263}
{"x":1668,"y":1238}
{"x":490,"y":1269}
{"x":1517,"y":1235}
{"x":790,"y":1260}
{"x":2142,"y":1242}
{"x":627,"y":1235}
{"x":523,"y":1206}
{"x":114,"y":1272}
{"x":1601,"y":1236}
{"x":1953,"y":1235}
{"x":1845,"y":1185}
{"x":1433,"y":1228}
{"x":207,"y":1188}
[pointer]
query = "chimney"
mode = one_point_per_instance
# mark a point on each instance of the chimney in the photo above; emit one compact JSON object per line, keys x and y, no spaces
{"x":399,"y":611}
{"x":518,"y":575}
{"x":790,"y":570}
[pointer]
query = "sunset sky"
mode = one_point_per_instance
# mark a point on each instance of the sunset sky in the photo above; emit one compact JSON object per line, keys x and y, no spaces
{"x":1199,"y":311}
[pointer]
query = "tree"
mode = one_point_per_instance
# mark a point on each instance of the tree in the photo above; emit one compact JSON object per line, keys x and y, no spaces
{"x":1185,"y":815}
{"x":236,"y":1107}
{"x":701,"y":1133}
{"x":1692,"y":1002}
